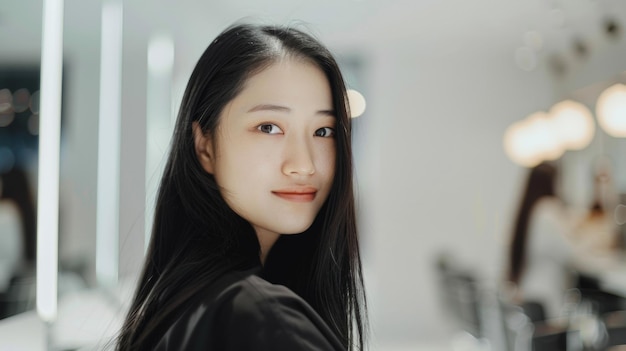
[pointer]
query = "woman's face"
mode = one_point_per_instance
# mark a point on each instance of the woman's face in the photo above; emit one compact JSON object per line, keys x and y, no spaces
{"x":273,"y":156}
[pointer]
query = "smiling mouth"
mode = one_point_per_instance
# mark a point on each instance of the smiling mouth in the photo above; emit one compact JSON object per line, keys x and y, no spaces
{"x":296,"y":196}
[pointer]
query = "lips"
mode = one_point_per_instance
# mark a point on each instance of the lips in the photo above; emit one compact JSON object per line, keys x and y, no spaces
{"x":299,"y":194}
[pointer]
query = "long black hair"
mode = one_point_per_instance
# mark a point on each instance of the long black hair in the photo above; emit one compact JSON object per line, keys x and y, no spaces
{"x":197,"y":238}
{"x":541,"y":183}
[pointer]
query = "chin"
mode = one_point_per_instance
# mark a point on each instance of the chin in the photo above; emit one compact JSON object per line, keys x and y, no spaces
{"x":295,"y":229}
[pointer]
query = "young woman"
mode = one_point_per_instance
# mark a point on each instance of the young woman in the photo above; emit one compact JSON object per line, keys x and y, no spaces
{"x":254,"y":245}
{"x":541,"y":251}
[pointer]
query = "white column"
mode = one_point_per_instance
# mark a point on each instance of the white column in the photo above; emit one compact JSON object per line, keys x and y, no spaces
{"x":159,"y":121}
{"x":49,"y":154}
{"x":109,"y":135}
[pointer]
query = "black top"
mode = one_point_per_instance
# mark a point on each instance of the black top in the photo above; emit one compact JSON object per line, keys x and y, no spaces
{"x":249,"y":313}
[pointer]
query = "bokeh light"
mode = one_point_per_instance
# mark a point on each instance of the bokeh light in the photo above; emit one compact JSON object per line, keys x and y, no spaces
{"x":542,"y":133}
{"x":532,"y":140}
{"x":161,"y":54}
{"x":34,"y":103}
{"x":611,"y":110}
{"x":6,"y":119}
{"x":573,"y":124}
{"x":357,"y":103}
{"x":517,"y":146}
{"x":21,"y":100}
{"x":6,"y":101}
{"x":33,"y":124}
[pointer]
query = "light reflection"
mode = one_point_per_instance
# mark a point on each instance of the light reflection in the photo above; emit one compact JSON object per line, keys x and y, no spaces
{"x":109,"y":136}
{"x":160,"y":55}
{"x":49,"y":155}
{"x":611,"y":110}
{"x":357,"y":103}
{"x":573,"y":124}
{"x":160,"y":119}
{"x":541,"y":127}
{"x":516,"y":146}
{"x":532,"y":140}
{"x":21,"y":100}
{"x":33,"y":124}
{"x":6,"y":119}
{"x":34,"y":103}
{"x":6,"y":99}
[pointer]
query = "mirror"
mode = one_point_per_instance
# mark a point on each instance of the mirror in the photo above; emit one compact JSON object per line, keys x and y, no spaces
{"x":19,"y":124}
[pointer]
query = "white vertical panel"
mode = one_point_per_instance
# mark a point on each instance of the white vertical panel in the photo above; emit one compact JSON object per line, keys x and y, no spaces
{"x":49,"y":151}
{"x":159,"y":121}
{"x":109,"y":133}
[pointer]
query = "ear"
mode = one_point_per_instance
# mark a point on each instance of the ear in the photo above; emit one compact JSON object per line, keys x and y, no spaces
{"x":204,"y":148}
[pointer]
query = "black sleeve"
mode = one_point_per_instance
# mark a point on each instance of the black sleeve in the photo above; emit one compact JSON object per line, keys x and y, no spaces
{"x":271,"y":317}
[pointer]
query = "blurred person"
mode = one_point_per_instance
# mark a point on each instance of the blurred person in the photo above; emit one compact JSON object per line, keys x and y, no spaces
{"x":598,"y":232}
{"x":541,"y":249}
{"x":17,"y":238}
{"x":16,"y":188}
{"x":254,"y":244}
{"x":10,"y":243}
{"x":599,"y":245}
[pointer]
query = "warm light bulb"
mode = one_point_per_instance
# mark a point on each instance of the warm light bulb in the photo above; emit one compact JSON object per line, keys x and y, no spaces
{"x":573,"y":124}
{"x":517,"y":146}
{"x":611,"y":110}
{"x":532,"y":140}
{"x":514,"y":146}
{"x":356,"y":102}
{"x":543,"y":136}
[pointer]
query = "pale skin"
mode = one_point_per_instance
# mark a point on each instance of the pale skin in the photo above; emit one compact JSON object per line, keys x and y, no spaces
{"x":274,"y":152}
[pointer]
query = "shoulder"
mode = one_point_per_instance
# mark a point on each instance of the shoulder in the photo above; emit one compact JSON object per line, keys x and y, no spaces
{"x":551,"y":210}
{"x":548,"y":204}
{"x":250,"y":313}
{"x":254,"y":295}
{"x":8,"y":211}
{"x":551,"y":226}
{"x":271,"y":317}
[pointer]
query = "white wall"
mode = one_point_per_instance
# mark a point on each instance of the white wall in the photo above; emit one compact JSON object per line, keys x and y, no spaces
{"x":444,"y":183}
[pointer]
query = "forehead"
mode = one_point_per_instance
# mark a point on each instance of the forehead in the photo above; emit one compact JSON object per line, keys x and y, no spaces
{"x":290,"y":81}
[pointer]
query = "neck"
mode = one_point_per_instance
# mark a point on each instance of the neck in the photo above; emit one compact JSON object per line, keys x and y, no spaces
{"x":267,"y":239}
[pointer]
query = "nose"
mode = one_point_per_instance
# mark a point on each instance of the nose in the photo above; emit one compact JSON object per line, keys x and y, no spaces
{"x":298,"y":158}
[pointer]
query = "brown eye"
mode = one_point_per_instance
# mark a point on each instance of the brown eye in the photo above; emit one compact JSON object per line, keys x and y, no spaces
{"x":325,"y":132}
{"x":269,"y":128}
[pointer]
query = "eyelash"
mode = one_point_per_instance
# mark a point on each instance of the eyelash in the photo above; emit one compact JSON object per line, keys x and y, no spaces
{"x":329,"y":132}
{"x":260,"y":127}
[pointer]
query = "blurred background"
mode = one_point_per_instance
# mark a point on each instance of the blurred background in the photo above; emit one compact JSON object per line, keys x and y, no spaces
{"x":461,"y":103}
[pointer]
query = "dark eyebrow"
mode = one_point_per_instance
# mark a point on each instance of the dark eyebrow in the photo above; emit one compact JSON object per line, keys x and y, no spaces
{"x":269,"y":107}
{"x":329,"y":113}
{"x":278,"y":108}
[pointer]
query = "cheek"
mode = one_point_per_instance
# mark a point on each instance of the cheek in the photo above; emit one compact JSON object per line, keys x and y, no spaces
{"x":327,"y":164}
{"x":240,"y":165}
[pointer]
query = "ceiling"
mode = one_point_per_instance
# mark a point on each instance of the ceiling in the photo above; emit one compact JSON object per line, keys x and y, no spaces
{"x":423,"y":23}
